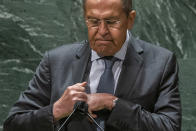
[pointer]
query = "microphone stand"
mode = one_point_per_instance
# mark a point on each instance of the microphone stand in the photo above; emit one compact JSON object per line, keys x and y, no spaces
{"x":82,"y":108}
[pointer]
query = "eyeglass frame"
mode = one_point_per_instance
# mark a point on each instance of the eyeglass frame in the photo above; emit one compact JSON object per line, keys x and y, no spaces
{"x":108,"y":22}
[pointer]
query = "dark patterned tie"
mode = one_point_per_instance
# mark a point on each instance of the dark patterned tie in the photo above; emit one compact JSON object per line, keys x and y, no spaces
{"x":106,"y":82}
{"x":106,"y":85}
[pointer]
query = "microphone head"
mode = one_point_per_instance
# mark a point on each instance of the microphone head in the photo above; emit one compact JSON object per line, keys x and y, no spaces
{"x":81,"y":106}
{"x":81,"y":109}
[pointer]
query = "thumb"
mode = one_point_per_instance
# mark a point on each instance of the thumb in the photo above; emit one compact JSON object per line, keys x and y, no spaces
{"x":83,"y":84}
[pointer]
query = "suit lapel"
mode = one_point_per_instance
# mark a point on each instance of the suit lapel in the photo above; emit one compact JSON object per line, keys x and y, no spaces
{"x":80,"y":63}
{"x":130,"y":69}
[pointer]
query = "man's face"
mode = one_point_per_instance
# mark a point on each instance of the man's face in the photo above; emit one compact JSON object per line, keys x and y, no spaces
{"x":107,"y":25}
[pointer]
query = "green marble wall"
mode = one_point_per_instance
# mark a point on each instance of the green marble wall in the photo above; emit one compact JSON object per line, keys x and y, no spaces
{"x":30,"y":27}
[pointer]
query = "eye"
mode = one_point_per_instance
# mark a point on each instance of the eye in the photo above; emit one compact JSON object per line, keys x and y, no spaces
{"x":111,"y":22}
{"x":93,"y":21}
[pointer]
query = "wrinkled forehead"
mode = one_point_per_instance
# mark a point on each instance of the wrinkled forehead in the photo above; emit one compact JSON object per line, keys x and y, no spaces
{"x":103,"y":7}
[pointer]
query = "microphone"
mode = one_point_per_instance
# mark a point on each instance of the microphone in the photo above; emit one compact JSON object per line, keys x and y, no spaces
{"x":82,"y":108}
{"x":68,"y":118}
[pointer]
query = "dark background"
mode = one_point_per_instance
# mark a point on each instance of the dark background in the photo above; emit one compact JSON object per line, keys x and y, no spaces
{"x":30,"y":27}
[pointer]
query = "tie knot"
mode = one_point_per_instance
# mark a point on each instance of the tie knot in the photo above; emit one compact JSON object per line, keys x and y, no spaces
{"x":109,"y":61}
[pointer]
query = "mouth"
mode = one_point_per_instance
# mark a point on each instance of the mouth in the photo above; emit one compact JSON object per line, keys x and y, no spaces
{"x":103,"y":42}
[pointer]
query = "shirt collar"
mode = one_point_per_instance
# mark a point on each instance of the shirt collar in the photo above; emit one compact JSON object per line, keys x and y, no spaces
{"x":120,"y":54}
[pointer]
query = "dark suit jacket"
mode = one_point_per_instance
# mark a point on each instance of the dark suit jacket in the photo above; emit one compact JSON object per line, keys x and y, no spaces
{"x":147,"y":90}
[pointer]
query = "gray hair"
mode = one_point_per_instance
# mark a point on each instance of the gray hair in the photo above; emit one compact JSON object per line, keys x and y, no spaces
{"x":127,"y":6}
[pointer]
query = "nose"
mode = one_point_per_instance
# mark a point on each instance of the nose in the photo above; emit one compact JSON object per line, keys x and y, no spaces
{"x":103,"y":29}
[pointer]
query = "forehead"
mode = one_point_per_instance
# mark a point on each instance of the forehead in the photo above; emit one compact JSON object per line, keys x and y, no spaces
{"x":103,"y":8}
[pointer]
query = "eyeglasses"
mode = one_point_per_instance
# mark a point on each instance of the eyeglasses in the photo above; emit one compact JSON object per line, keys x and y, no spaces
{"x":111,"y":23}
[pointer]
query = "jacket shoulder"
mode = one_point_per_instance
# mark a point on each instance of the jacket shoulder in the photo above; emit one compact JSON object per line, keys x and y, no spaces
{"x":153,"y":51}
{"x":66,"y":51}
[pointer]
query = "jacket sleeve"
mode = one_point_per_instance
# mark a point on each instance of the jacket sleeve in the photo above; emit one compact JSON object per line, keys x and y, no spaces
{"x":33,"y":112}
{"x":166,"y":116}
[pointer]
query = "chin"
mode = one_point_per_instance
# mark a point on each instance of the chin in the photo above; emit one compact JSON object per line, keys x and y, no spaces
{"x":105,"y":53}
{"x":104,"y":50}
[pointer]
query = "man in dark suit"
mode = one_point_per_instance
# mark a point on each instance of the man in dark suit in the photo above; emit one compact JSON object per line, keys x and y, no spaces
{"x":139,"y":92}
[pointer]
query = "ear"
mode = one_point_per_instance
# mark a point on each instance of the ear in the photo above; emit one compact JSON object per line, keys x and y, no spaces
{"x":131,"y":19}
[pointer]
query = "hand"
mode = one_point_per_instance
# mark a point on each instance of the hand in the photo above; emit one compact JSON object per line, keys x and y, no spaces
{"x":64,"y":106}
{"x":99,"y":101}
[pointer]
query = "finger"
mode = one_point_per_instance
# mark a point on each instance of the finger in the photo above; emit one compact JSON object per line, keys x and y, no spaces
{"x":78,"y":99}
{"x":83,"y":84}
{"x":79,"y":87}
{"x":79,"y":95}
{"x":76,"y":88}
{"x":91,"y":113}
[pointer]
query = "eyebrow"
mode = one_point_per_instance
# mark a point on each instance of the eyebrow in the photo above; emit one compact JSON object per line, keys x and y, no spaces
{"x":91,"y":17}
{"x":111,"y":17}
